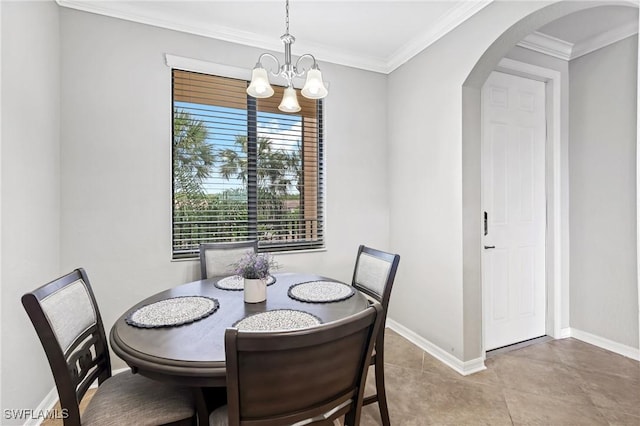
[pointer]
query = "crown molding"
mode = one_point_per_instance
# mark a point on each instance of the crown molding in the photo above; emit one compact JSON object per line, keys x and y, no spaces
{"x":232,"y":35}
{"x":211,"y":31}
{"x":448,"y":22}
{"x":561,"y":49}
{"x":604,"y":39}
{"x":547,"y":45}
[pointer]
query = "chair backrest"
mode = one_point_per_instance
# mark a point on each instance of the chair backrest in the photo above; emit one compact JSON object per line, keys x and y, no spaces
{"x":218,"y":258}
{"x":65,"y":316}
{"x":280,"y":378}
{"x":374,"y":273}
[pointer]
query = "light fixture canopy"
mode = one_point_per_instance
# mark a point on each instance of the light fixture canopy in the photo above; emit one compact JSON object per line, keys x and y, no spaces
{"x":314,"y":87}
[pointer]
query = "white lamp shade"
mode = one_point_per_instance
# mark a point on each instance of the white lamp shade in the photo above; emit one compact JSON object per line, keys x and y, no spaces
{"x":260,"y":87}
{"x":314,"y":86}
{"x":289,"y":101}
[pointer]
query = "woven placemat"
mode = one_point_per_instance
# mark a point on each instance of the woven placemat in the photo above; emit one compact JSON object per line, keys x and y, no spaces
{"x":279,"y":319}
{"x":320,"y":291}
{"x":236,"y":282}
{"x":173,"y":312}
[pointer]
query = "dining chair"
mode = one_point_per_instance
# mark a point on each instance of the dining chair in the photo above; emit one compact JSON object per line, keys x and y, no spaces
{"x":66,"y":318}
{"x":373,"y":275}
{"x":218,"y":258}
{"x":307,"y":376}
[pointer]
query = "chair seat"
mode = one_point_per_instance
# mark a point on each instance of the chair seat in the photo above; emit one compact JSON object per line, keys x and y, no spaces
{"x":219,"y":416}
{"x":131,"y":399}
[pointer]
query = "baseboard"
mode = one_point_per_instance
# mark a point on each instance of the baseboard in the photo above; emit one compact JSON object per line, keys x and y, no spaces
{"x":461,"y":367}
{"x":46,"y":406}
{"x":565,"y":332}
{"x":49,"y":401}
{"x":473,"y":366}
{"x":609,"y":345}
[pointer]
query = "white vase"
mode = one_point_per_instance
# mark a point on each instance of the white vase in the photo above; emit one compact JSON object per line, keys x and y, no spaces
{"x":255,"y":290}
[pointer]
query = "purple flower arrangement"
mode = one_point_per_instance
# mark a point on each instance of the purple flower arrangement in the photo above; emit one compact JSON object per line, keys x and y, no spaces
{"x":255,"y":266}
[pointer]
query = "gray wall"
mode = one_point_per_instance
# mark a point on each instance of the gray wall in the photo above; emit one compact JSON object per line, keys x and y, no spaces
{"x":30,"y":190}
{"x":602,"y":157}
{"x":439,"y":297}
{"x":434,"y":116}
{"x":86,"y":169}
{"x":116,"y":147}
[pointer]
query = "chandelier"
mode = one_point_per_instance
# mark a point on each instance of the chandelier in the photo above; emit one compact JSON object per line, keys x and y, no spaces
{"x":313,"y":88}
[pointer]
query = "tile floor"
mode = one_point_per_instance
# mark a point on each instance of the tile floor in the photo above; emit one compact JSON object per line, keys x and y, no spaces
{"x":558,"y":382}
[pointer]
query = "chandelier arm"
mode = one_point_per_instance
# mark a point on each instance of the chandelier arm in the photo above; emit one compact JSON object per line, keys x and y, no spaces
{"x":302,"y":71}
{"x":269,"y":55}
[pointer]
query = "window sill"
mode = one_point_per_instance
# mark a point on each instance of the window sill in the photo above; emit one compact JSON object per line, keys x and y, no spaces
{"x":277,"y":253}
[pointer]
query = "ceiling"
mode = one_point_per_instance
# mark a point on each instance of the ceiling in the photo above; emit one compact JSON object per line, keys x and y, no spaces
{"x":374,"y":35}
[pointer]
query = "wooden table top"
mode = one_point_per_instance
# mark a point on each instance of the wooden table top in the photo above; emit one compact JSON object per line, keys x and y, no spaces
{"x":193,"y":354}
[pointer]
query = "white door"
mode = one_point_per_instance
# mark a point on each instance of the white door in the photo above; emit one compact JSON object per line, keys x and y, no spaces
{"x":513,"y":199}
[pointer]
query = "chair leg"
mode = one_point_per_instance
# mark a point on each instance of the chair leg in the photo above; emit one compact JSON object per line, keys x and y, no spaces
{"x":380,"y":390}
{"x":350,"y":419}
{"x":202,"y":413}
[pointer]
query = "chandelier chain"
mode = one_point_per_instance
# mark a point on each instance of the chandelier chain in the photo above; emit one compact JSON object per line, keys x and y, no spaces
{"x":287,"y":20}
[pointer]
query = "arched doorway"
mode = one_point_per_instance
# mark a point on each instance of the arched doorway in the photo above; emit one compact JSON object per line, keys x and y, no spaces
{"x":557,"y":276}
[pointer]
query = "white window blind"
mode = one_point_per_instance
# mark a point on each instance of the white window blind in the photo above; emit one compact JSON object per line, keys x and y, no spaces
{"x":242,"y":169}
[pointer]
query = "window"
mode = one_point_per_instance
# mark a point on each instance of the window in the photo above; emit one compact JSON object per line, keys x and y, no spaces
{"x":242,"y":169}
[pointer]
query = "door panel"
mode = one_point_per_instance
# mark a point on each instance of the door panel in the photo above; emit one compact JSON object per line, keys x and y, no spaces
{"x":513,"y":195}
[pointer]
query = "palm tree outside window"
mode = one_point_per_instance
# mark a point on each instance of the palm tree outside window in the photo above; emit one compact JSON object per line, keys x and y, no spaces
{"x":242,"y":169}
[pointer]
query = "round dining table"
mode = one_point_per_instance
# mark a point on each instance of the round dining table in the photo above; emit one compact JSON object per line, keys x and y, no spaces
{"x":193,"y":354}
